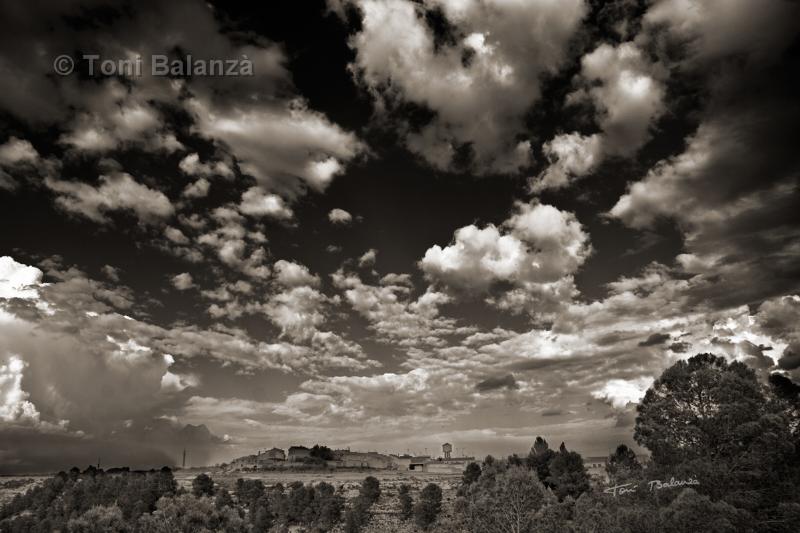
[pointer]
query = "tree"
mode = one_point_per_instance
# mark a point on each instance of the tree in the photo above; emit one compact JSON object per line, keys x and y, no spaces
{"x":326,"y":507}
{"x":539,"y":459}
{"x":713,"y":420}
{"x":622,"y":465}
{"x":471,"y":474}
{"x":429,"y":505}
{"x":691,"y":511}
{"x":505,"y":503}
{"x":99,"y":520}
{"x":223,"y":499}
{"x":695,"y":409}
{"x":190,"y":514}
{"x":203,"y":485}
{"x":321,"y":452}
{"x":406,"y":502}
{"x":370,"y":490}
{"x":568,"y":475}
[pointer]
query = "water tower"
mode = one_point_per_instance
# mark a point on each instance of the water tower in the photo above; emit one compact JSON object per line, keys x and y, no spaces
{"x":447,"y":448}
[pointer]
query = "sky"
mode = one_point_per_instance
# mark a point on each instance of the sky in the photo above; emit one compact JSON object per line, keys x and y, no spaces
{"x":392,"y":224}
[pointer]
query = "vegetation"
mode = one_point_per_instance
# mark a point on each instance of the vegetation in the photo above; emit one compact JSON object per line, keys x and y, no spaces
{"x":358,"y":514}
{"x":406,"y":501}
{"x":429,"y":505}
{"x":725,"y":457}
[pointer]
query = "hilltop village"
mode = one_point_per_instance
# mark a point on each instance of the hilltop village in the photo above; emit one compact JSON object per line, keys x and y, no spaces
{"x":302,"y":457}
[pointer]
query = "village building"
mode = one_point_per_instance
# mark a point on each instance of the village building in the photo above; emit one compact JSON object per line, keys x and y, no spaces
{"x":274,"y":454}
{"x":348,"y":459}
{"x":298,"y":453}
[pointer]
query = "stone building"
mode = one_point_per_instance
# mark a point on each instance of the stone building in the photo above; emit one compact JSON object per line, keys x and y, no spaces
{"x":298,"y":453}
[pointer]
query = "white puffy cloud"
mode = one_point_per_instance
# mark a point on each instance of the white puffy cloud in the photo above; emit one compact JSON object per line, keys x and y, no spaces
{"x":393,"y":314}
{"x":116,"y":191}
{"x":621,"y":392}
{"x":500,"y":51}
{"x":368,"y":258}
{"x":183,"y":281}
{"x":18,"y":280}
{"x":298,"y":311}
{"x":257,"y":202}
{"x":14,"y":404}
{"x":192,"y":166}
{"x":340,"y":216}
{"x":115,"y":117}
{"x":197,"y":189}
{"x":627,"y":92}
{"x":537,"y":250}
{"x":290,"y":274}
{"x":15,"y":151}
{"x":286,"y":147}
{"x":569,"y":155}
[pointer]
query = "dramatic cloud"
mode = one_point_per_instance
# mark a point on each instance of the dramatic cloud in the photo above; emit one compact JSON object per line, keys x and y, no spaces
{"x":621,"y":392}
{"x":537,"y":250}
{"x":116,"y":192}
{"x":285,"y":148}
{"x":627,"y":93}
{"x":495,"y":54}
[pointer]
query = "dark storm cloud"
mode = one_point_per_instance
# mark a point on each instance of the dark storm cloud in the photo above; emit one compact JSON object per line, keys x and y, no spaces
{"x":680,"y":347}
{"x":497,"y":382}
{"x":655,"y":339}
{"x":790,"y":360}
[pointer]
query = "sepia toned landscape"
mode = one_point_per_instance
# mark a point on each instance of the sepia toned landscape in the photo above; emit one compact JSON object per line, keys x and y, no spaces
{"x":413,"y":266}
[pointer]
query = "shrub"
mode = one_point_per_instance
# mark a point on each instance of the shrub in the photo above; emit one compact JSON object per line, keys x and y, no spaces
{"x":406,"y":502}
{"x":429,"y":505}
{"x":203,"y":485}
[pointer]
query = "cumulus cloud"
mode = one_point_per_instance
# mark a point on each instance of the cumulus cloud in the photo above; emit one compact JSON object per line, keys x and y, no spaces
{"x":192,"y":166}
{"x":496,"y":57}
{"x":258,"y":125}
{"x":394,"y":314}
{"x":117,"y":191}
{"x":197,"y":189}
{"x":368,"y":258}
{"x":183,"y":281}
{"x":620,"y":392}
{"x":290,"y":274}
{"x":627,"y":93}
{"x":18,"y":280}
{"x":537,"y":250}
{"x":339,"y":216}
{"x":258,"y":203}
{"x":286,"y":148}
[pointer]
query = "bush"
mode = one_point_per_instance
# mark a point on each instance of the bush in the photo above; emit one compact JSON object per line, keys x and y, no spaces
{"x":203,"y":485}
{"x":471,"y":474}
{"x":99,"y":520}
{"x":406,"y":502}
{"x":429,"y":505}
{"x":370,"y":490}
